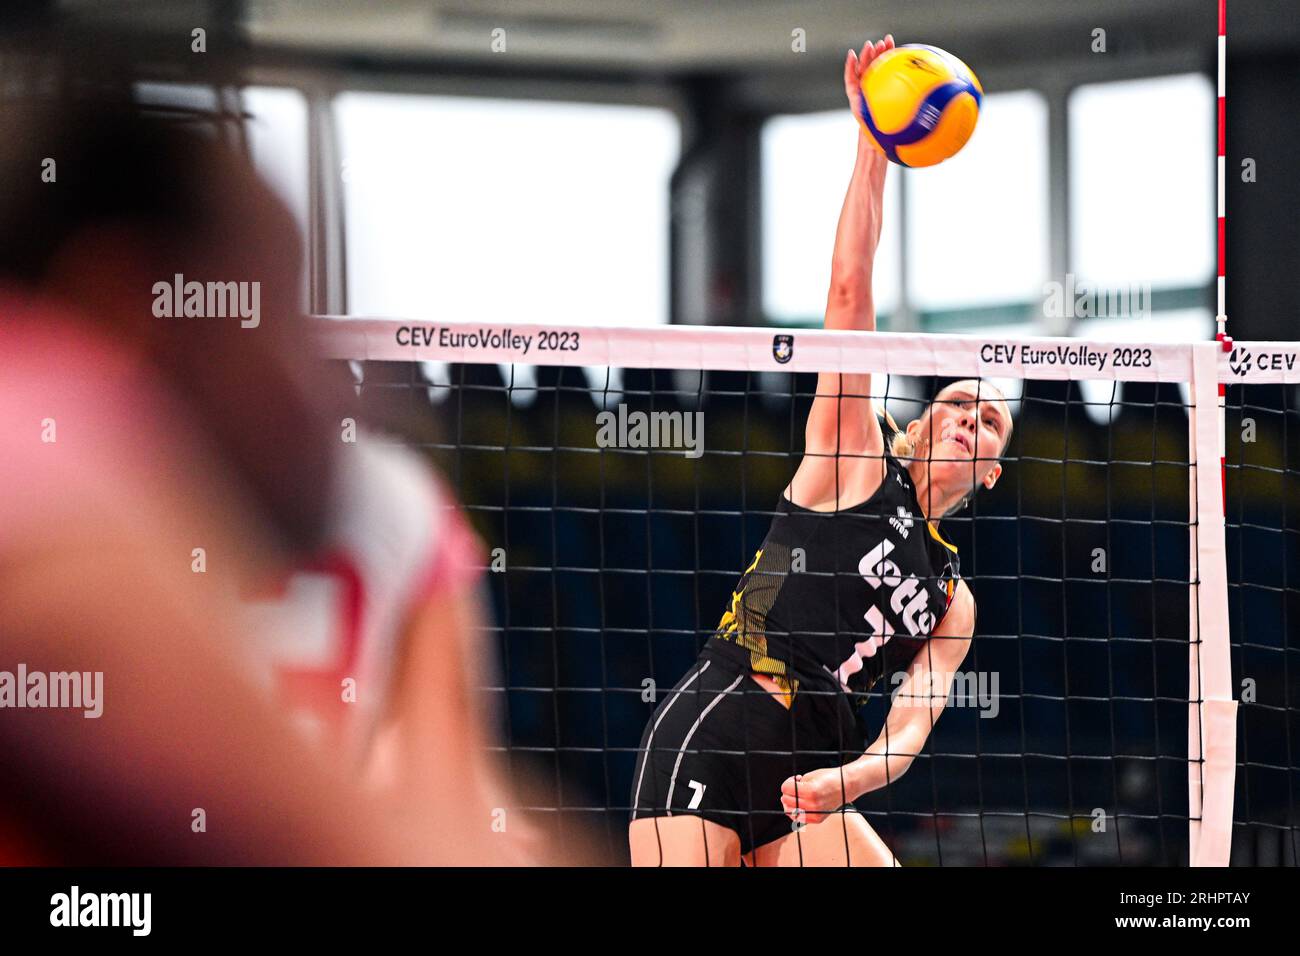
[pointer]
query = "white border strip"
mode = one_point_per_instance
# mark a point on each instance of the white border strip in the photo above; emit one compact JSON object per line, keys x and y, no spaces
{"x":810,"y":350}
{"x":754,"y":349}
{"x":1260,"y":363}
{"x":1212,"y":709}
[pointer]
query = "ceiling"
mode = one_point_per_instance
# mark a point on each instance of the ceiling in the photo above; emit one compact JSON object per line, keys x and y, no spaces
{"x":669,"y":37}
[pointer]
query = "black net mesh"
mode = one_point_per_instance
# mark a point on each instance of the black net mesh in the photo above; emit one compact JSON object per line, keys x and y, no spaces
{"x":1263,"y":536}
{"x":617,"y":563}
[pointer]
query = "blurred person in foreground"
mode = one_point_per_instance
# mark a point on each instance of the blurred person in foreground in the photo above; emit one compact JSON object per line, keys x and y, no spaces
{"x":158,"y":469}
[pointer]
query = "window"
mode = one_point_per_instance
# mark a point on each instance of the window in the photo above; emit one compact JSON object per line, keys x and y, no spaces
{"x":467,"y":209}
{"x":186,"y":99}
{"x":807,"y":163}
{"x":978,"y":223}
{"x":1142,"y":181}
{"x":277,"y":140}
{"x":276,"y":133}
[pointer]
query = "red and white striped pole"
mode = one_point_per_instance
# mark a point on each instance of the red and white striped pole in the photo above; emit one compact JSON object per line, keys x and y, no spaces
{"x":1221,"y":317}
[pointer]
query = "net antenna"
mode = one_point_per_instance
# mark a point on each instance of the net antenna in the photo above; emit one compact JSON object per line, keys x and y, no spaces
{"x":1212,"y":715}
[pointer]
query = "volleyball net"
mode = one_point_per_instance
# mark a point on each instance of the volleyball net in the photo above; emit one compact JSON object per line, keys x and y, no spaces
{"x":622,"y":479}
{"x":1262,"y":481}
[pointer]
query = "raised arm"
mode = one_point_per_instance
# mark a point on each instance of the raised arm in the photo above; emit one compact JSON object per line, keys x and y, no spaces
{"x":849,"y":304}
{"x":841,"y":421}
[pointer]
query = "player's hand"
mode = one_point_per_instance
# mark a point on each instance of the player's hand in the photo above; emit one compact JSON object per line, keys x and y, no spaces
{"x":870,"y":159}
{"x":812,"y":797}
{"x":855,"y":64}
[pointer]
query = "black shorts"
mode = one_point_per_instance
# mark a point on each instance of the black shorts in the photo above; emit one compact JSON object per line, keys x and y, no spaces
{"x":719,"y":746}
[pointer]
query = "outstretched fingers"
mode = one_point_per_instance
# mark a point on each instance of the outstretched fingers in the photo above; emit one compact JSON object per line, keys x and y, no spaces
{"x":872,"y":50}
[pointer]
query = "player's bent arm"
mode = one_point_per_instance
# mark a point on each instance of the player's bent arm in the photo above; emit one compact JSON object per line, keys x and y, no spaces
{"x":918,"y":702}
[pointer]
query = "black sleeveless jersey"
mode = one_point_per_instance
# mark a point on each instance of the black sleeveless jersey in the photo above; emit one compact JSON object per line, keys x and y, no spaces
{"x":840,"y":599}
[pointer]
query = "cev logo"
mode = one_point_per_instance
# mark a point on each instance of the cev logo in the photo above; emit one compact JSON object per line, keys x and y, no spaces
{"x":1242,"y":361}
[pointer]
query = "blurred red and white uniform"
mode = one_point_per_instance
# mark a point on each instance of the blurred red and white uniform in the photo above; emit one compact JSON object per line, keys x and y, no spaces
{"x":333,"y":632}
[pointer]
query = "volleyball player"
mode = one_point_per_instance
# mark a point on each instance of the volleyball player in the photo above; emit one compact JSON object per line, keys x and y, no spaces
{"x":373,"y":641}
{"x":187,"y":435}
{"x":756,"y":754}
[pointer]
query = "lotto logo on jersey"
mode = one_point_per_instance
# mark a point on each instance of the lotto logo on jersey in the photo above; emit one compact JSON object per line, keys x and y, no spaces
{"x":909,"y":601}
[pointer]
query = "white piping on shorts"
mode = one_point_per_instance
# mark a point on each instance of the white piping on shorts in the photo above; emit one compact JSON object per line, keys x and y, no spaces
{"x":672,"y":782}
{"x":645,"y":757}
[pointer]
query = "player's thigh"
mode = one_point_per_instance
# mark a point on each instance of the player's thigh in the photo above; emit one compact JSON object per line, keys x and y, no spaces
{"x":682,"y":841}
{"x":843,"y":839}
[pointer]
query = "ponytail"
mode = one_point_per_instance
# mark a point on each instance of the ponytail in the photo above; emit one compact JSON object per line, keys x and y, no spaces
{"x":900,"y":446}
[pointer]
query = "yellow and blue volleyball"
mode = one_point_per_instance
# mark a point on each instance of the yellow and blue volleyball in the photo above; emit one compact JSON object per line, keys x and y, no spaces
{"x":920,"y":104}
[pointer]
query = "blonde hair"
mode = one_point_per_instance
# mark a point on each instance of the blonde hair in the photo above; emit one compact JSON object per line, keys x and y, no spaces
{"x":900,"y":446}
